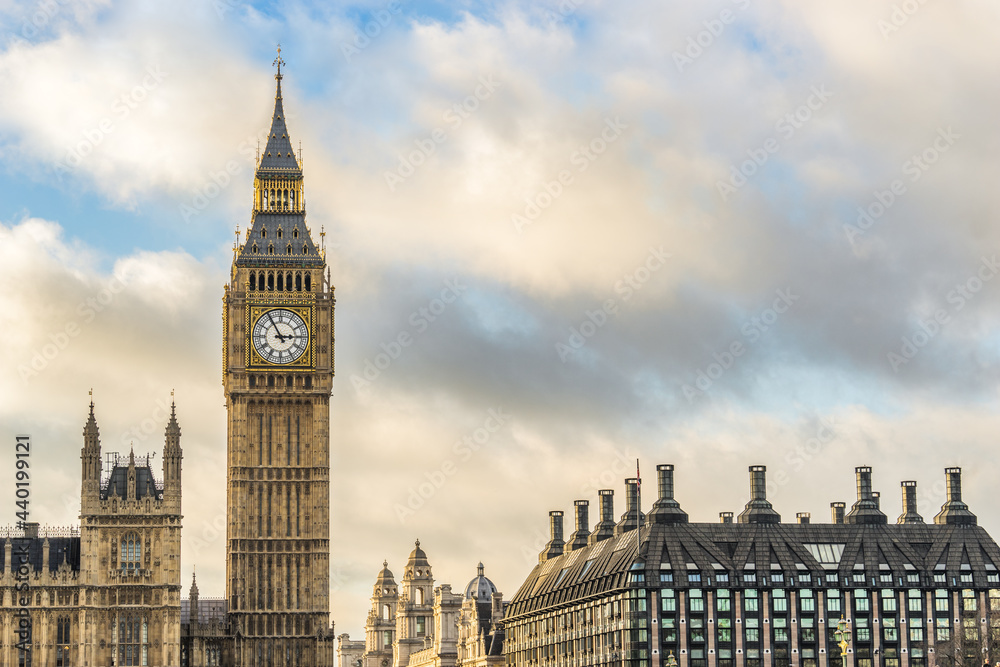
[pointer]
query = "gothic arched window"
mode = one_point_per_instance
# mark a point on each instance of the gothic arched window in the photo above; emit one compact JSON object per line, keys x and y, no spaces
{"x":63,"y":640}
{"x":132,"y":638}
{"x":131,"y":553}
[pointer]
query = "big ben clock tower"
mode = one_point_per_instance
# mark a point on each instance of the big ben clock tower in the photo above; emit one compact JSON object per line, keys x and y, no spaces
{"x":278,"y":378}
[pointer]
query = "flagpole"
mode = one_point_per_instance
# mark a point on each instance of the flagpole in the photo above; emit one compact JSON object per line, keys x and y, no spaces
{"x":638,"y":507}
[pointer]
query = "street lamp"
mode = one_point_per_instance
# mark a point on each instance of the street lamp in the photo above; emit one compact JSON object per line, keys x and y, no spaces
{"x":671,"y":660}
{"x":843,"y":635}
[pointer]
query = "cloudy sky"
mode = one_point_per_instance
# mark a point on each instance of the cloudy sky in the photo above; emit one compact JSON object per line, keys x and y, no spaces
{"x":712,"y":234}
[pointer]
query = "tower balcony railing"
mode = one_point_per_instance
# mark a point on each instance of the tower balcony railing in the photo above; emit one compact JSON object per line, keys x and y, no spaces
{"x":12,"y":532}
{"x":127,"y":576}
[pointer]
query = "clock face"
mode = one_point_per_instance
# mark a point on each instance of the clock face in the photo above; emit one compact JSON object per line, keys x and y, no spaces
{"x":280,"y":336}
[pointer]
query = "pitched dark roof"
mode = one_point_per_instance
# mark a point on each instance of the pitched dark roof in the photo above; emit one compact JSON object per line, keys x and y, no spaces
{"x":762,"y":550}
{"x":303,"y":251}
{"x":278,"y":154}
{"x":59,"y":548}
{"x":291,"y":249}
{"x":145,"y":483}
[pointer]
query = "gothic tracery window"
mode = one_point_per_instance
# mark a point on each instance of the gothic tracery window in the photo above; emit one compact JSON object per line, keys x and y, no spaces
{"x":131,"y":553}
{"x":132,"y":639}
{"x":62,"y":641}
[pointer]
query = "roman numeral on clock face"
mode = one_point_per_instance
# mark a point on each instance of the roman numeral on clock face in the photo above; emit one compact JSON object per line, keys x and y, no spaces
{"x":280,"y":336}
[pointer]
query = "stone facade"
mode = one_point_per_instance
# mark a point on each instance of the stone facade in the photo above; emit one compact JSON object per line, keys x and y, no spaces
{"x":418,"y":624}
{"x":277,"y":319}
{"x":107,"y":593}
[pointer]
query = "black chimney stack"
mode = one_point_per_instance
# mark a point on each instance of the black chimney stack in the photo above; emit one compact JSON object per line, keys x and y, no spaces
{"x":633,"y":517}
{"x":954,"y":512}
{"x":837,"y":510}
{"x":555,"y":546}
{"x":865,"y":510}
{"x":605,"y":528}
{"x":578,"y":539}
{"x":666,"y":509}
{"x":759,"y":510}
{"x":909,"y":514}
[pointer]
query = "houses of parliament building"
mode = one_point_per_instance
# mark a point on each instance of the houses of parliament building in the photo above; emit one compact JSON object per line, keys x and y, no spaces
{"x":646,"y":591}
{"x":109,"y":592}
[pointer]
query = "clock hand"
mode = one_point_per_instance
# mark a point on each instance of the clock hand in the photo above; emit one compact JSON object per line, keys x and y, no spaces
{"x":277,"y":332}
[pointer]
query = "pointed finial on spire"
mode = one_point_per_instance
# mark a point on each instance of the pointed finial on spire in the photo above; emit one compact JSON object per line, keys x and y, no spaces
{"x":385,"y":563}
{"x":173,"y":404}
{"x":91,"y":394}
{"x":278,"y":62}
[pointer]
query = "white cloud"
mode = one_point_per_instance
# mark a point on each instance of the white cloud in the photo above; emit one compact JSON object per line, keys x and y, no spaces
{"x":654,"y":185}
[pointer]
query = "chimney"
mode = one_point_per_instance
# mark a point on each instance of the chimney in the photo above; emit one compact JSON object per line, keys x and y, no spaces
{"x":497,"y":611}
{"x":837,"y":510}
{"x":758,"y":510}
{"x":606,"y":526}
{"x":954,"y":511}
{"x":909,"y":514}
{"x":865,"y":510}
{"x":802,"y":518}
{"x":725,"y":517}
{"x":555,"y":546}
{"x":578,"y":539}
{"x":666,"y":509}
{"x":633,"y":517}
{"x":31,"y":530}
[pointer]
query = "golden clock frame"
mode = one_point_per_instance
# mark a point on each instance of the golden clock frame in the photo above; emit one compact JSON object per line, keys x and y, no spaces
{"x":301,"y":307}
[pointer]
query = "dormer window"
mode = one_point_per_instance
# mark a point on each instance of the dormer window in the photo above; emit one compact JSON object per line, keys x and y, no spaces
{"x":279,"y":232}
{"x":295,"y":233}
{"x":263,"y":233}
{"x":254,"y":249}
{"x":305,"y":250}
{"x":288,"y":250}
{"x":270,"y":249}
